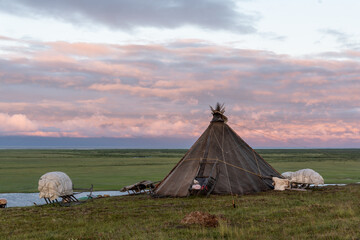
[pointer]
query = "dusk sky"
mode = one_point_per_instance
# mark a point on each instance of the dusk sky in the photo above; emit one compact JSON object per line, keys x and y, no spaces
{"x":287,"y":71}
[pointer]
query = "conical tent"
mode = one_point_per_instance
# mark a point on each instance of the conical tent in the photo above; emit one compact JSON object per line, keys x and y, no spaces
{"x":221,"y":154}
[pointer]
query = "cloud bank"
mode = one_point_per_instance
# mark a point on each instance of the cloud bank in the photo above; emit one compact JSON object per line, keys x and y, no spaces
{"x":131,"y":14}
{"x":63,"y":89}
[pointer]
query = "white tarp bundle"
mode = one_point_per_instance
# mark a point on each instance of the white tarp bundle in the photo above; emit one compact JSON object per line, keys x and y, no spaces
{"x":306,"y":176}
{"x":52,"y":185}
{"x":287,"y":175}
{"x":281,"y":184}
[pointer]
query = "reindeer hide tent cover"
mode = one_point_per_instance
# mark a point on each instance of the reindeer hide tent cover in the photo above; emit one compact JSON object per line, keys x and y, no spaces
{"x":222,"y":154}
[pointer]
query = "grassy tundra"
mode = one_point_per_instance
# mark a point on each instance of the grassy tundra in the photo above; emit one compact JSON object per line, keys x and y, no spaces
{"x":20,"y":170}
{"x":325,"y":213}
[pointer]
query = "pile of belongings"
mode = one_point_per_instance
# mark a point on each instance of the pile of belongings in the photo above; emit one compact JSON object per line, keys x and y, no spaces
{"x":53,"y":185}
{"x":196,"y":185}
{"x":299,"y":179}
{"x":3,"y":203}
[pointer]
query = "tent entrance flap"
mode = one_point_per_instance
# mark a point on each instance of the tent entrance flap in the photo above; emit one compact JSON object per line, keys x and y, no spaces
{"x":205,"y":184}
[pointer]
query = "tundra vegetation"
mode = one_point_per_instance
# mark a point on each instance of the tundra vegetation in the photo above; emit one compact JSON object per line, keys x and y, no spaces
{"x":20,"y":170}
{"x":330,"y":212}
{"x":325,"y":213}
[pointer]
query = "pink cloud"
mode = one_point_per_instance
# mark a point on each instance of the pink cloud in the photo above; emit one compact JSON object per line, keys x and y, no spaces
{"x":4,"y":38}
{"x":315,"y":80}
{"x":102,"y":126}
{"x":81,"y":49}
{"x":173,"y":91}
{"x":263,"y":92}
{"x":53,"y":59}
{"x":17,"y":123}
{"x":102,"y":100}
{"x":154,"y":90}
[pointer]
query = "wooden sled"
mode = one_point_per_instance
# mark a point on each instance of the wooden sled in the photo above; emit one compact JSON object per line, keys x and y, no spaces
{"x":68,"y":200}
{"x":81,"y":190}
{"x":145,"y":186}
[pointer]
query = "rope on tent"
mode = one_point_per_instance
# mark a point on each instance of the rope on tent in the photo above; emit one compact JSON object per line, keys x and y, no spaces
{"x":260,"y":176}
{"x":254,"y":150}
{"x":179,"y":163}
{"x":223,"y":156}
{"x":243,"y":169}
{"x":193,"y":159}
{"x":256,"y":160}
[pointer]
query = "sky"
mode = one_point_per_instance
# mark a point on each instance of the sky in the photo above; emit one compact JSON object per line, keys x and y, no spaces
{"x":288,"y":72}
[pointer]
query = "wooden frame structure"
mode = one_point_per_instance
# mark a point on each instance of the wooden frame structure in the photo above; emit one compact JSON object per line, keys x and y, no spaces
{"x":145,"y":186}
{"x":68,"y":199}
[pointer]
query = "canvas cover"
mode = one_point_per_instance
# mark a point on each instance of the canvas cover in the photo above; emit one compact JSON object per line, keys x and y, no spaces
{"x":52,"y":185}
{"x":287,"y":175}
{"x":222,"y":154}
{"x":307,"y":176}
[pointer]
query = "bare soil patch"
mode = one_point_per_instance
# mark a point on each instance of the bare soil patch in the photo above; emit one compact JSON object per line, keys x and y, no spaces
{"x":200,"y":218}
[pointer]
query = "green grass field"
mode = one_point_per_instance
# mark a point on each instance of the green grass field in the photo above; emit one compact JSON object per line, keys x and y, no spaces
{"x":20,"y":170}
{"x":331,"y":212}
{"x":325,"y":213}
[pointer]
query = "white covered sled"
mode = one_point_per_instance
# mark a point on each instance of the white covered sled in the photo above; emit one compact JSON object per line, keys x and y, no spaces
{"x":304,"y":177}
{"x":299,"y":179}
{"x":54,"y":185}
